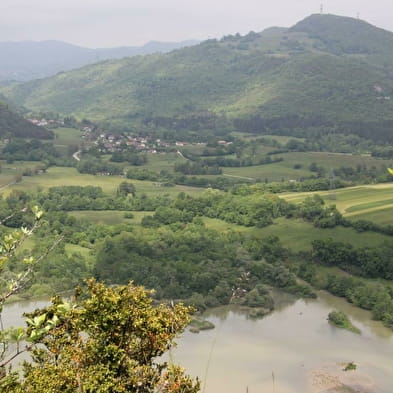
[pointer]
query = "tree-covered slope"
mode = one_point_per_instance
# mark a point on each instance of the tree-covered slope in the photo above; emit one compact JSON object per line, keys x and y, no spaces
{"x":312,"y":70}
{"x":26,"y":60}
{"x":12,"y":124}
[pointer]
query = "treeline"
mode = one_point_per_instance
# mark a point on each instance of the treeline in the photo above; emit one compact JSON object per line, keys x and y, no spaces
{"x":130,"y":157}
{"x":308,"y":127}
{"x":197,"y":168}
{"x":167,"y":179}
{"x":249,"y":211}
{"x":369,"y":262}
{"x":70,"y":198}
{"x":240,"y":162}
{"x":96,"y":166}
{"x":34,"y":150}
{"x":315,"y":184}
{"x":370,"y":295}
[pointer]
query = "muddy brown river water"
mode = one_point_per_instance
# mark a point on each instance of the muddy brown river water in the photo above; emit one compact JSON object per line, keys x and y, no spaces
{"x":292,"y":350}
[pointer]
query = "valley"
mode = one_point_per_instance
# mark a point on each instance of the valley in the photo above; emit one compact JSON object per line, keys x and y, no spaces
{"x":246,"y":177}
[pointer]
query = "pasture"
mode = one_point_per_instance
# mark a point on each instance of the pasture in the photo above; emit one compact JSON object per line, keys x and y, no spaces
{"x":158,"y":162}
{"x":370,"y":202}
{"x":10,"y":170}
{"x":64,"y":176}
{"x":284,"y":170}
{"x":298,"y":235}
{"x":109,"y":217}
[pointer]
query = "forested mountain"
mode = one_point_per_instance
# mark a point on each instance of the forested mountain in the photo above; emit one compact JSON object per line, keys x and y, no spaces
{"x":12,"y":124}
{"x":326,"y":71}
{"x":28,"y":60}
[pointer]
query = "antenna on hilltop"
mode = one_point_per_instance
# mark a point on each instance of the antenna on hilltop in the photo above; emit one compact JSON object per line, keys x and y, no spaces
{"x":321,"y":9}
{"x":358,"y":15}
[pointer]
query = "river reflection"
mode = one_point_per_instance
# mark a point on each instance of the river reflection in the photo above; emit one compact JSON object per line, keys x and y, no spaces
{"x":243,"y":353}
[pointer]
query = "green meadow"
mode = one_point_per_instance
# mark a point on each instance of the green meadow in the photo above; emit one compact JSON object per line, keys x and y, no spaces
{"x":284,"y":170}
{"x":297,"y":235}
{"x":370,"y":202}
{"x":9,"y":171}
{"x":158,"y":162}
{"x":64,"y":176}
{"x":109,"y":217}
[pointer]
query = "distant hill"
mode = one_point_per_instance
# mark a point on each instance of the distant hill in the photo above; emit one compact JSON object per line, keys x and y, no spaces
{"x":22,"y":61}
{"x":13,"y":125}
{"x":326,"y":71}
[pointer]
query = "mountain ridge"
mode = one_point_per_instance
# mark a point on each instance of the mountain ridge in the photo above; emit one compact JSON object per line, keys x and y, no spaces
{"x":26,"y":60}
{"x":275,"y":74}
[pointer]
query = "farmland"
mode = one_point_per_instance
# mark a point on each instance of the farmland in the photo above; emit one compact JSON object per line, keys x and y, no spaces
{"x":297,"y":235}
{"x":62,"y":176}
{"x":371,"y":202}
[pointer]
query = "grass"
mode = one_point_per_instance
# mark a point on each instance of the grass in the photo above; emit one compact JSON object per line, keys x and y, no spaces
{"x":298,"y":235}
{"x":371,"y":202}
{"x":380,"y":216}
{"x":271,"y":172}
{"x":65,"y":137}
{"x":109,"y":217}
{"x":62,"y":176}
{"x":333,"y":160}
{"x":9,"y":171}
{"x":161,"y":161}
{"x":369,"y":205}
{"x":76,"y":249}
{"x":284,"y":170}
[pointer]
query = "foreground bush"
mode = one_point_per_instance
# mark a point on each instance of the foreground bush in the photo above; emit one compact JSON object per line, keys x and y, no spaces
{"x":107,"y":340}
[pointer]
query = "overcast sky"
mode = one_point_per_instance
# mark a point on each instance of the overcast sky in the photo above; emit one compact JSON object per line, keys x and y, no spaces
{"x":108,"y":23}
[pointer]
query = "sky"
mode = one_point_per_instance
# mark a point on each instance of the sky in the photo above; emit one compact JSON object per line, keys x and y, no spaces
{"x":110,"y":23}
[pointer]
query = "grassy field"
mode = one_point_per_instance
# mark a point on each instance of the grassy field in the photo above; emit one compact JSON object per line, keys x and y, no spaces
{"x":284,"y":170}
{"x":62,"y":176}
{"x":9,"y":171}
{"x":279,"y":138}
{"x":161,"y":161}
{"x":76,"y":249}
{"x":271,"y":172}
{"x":65,"y":137}
{"x":109,"y":217}
{"x":371,"y":202}
{"x":298,"y":234}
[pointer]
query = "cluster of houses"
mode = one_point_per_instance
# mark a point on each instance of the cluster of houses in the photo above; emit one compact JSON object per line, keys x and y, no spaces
{"x":111,"y":143}
{"x":44,"y":122}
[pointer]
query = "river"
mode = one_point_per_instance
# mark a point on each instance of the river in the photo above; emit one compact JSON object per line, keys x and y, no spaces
{"x":281,"y":352}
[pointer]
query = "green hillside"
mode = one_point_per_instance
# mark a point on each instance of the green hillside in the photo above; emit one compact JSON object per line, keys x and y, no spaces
{"x":12,"y":124}
{"x":325,"y":71}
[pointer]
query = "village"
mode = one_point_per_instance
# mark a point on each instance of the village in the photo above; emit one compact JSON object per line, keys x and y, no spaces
{"x":108,"y":143}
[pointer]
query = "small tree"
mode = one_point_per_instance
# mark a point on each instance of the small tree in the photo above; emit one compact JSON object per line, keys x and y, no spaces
{"x":107,"y":340}
{"x":126,"y":188}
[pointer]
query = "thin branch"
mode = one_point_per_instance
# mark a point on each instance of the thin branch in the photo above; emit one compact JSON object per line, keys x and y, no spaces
{"x":12,"y":215}
{"x":23,"y":280}
{"x":16,"y":354}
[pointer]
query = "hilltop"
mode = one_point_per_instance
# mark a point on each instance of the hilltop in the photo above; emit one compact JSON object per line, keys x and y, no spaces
{"x":326,"y":71}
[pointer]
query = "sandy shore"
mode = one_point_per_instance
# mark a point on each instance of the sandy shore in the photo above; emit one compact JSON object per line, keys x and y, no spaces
{"x":332,"y":379}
